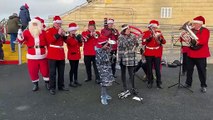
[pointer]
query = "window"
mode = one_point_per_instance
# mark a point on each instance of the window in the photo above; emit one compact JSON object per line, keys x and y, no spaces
{"x":166,"y":12}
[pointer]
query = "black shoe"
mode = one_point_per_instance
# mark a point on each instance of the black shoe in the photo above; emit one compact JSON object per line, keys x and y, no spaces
{"x":159,"y":87}
{"x":149,"y":86}
{"x":52,"y":92}
{"x":47,"y":85}
{"x":134,"y":91}
{"x":114,"y":76}
{"x":63,"y":89}
{"x":88,"y":80}
{"x":186,"y":86}
{"x":73,"y":85}
{"x":203,"y":89}
{"x":77,"y":83}
{"x":97,"y":81}
{"x":35,"y":86}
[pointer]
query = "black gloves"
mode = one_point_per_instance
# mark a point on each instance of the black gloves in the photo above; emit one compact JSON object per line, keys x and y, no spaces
{"x":57,"y":36}
{"x":79,"y":38}
{"x":149,"y":39}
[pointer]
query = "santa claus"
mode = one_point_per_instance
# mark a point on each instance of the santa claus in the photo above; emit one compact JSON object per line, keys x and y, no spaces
{"x":35,"y":39}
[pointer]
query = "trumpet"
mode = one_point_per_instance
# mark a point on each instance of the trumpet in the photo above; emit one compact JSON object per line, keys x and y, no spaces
{"x":95,"y":35}
{"x":155,"y":34}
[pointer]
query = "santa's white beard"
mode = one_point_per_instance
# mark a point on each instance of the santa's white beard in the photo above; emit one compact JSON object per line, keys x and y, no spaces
{"x":35,"y":31}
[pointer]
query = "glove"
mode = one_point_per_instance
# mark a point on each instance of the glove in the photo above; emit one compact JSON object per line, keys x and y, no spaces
{"x":149,"y":39}
{"x":20,"y":34}
{"x":79,"y":38}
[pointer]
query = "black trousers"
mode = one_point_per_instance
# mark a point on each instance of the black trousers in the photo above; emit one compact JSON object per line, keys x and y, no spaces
{"x":89,"y":61}
{"x":123,"y":75}
{"x":156,"y":61}
{"x":113,"y":65}
{"x":73,"y":70}
{"x":201,"y":65}
{"x":56,"y":66}
{"x":184,"y":65}
{"x":141,"y":65}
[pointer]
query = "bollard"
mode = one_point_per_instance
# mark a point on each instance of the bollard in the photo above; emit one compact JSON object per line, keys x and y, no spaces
{"x":19,"y":54}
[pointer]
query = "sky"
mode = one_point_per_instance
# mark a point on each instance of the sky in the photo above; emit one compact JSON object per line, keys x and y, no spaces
{"x":42,"y":8}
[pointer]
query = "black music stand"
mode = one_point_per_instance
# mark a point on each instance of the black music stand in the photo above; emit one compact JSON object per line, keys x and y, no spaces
{"x":179,"y":74}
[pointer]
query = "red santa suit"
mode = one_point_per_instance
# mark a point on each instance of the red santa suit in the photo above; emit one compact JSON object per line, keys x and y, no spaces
{"x":153,"y":52}
{"x":199,"y":56}
{"x":36,"y":52}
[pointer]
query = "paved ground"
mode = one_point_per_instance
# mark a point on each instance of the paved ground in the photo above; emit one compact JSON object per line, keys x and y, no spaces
{"x":18,"y":102}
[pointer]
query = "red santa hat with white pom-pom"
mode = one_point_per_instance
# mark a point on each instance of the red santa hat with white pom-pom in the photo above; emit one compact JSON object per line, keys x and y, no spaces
{"x":154,"y":23}
{"x":199,"y":20}
{"x":57,"y":19}
{"x":73,"y":26}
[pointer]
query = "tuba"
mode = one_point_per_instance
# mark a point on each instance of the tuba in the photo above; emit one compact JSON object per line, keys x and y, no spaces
{"x":189,"y":36}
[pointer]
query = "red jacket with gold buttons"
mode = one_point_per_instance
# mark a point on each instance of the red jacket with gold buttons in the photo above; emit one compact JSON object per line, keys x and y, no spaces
{"x":203,"y":39}
{"x":89,"y":43}
{"x":55,"y":48}
{"x":73,"y":46}
{"x":152,"y":47}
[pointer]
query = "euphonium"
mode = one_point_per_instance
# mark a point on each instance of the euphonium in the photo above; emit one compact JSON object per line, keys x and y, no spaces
{"x":189,"y":36}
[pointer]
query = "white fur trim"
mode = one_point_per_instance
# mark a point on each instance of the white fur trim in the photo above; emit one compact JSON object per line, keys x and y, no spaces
{"x":73,"y":28}
{"x":35,"y":80}
{"x":153,"y":25}
{"x":36,"y":57}
{"x":110,"y":21}
{"x":37,"y":43}
{"x":197,"y":21}
{"x":46,"y":78}
{"x":57,"y":21}
{"x":102,"y":42}
{"x":125,"y":28}
{"x":20,"y":38}
{"x":34,"y":21}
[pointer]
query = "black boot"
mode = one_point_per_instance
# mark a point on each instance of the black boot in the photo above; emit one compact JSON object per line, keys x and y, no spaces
{"x":77,"y":83}
{"x":35,"y":86}
{"x":149,"y":85}
{"x":72,"y":85}
{"x":159,"y":86}
{"x":47,"y":85}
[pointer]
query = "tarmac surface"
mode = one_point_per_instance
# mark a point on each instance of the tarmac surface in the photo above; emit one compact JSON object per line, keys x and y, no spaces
{"x":18,"y":102}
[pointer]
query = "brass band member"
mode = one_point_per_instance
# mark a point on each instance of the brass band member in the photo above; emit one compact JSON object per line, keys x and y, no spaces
{"x":198,"y":57}
{"x":90,"y":37}
{"x":153,"y":40}
{"x":74,"y":42}
{"x":113,"y":34}
{"x":56,"y":56}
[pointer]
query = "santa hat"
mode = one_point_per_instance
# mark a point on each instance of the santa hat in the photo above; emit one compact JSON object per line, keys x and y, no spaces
{"x":38,"y":22}
{"x":41,"y":20}
{"x":154,"y":23}
{"x":72,"y":26}
{"x":26,"y":6}
{"x":57,"y":19}
{"x":199,"y":20}
{"x":110,"y":21}
{"x":101,"y":41}
{"x":92,"y":22}
{"x":124,"y":27}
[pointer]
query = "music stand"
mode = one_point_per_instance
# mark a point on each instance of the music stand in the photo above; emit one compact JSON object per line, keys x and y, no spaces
{"x":179,"y":74}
